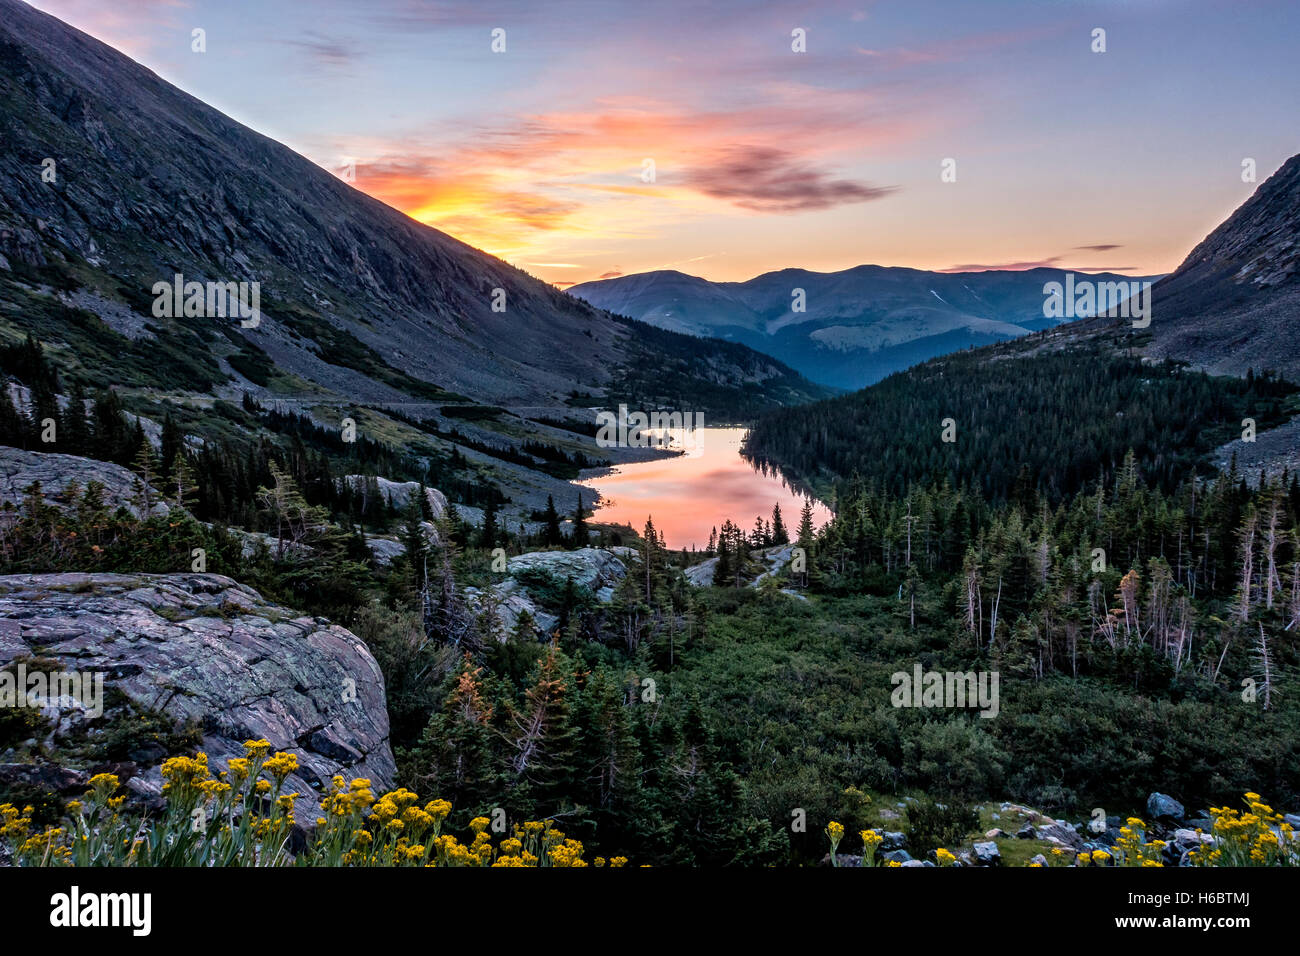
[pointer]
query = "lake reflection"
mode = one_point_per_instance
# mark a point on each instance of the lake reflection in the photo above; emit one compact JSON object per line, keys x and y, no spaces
{"x":689,"y":495}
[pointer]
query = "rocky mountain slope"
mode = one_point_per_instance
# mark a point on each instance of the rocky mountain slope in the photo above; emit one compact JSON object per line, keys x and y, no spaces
{"x":1234,"y":303}
{"x":112,"y":180}
{"x":859,"y":325}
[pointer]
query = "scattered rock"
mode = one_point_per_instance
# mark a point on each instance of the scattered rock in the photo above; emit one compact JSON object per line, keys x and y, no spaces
{"x":892,"y":840}
{"x":49,"y":776}
{"x":384,"y":549}
{"x":1162,"y":807}
{"x":987,"y":854}
{"x":1061,"y":834}
{"x":1185,"y":838}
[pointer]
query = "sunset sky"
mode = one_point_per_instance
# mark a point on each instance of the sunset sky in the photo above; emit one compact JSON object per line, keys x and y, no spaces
{"x":764,"y":158}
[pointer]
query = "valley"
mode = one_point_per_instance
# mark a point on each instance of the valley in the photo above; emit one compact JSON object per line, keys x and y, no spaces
{"x":375,"y":565}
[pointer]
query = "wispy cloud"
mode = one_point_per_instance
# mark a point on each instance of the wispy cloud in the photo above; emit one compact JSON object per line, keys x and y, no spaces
{"x":1053,"y":262}
{"x":1022,"y":266}
{"x":765,"y":179}
{"x":325,"y":51}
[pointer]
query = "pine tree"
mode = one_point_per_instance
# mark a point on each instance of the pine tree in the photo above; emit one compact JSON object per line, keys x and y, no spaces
{"x":456,"y":752}
{"x":608,"y":747}
{"x":182,"y":485}
{"x":76,"y":430}
{"x":543,"y":738}
{"x":146,"y":477}
{"x":551,"y":532}
{"x":649,"y":558}
{"x":722,"y":569}
{"x":581,"y":536}
{"x":806,"y":540}
{"x":14,"y":428}
{"x":488,"y":533}
{"x":287,"y":511}
{"x":417,"y":550}
{"x":779,"y":534}
{"x":170,"y":446}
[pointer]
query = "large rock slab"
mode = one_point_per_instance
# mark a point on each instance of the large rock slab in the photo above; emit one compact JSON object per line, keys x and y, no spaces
{"x":592,"y":568}
{"x":19,"y":468}
{"x":206,"y":649}
{"x":597,"y":570}
{"x":399,"y":493}
{"x":701,"y":575}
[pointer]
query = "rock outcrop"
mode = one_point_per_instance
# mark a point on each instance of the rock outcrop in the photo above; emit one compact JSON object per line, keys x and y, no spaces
{"x":205,"y":650}
{"x":398,"y":493}
{"x":55,"y":472}
{"x":595,"y":570}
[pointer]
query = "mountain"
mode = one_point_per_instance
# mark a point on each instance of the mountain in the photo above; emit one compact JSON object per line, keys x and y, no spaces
{"x":1234,"y":302}
{"x":1068,"y":403}
{"x":858,"y":326}
{"x":112,"y":180}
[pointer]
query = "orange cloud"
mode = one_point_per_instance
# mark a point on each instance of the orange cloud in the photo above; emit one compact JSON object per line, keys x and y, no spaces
{"x":510,"y":189}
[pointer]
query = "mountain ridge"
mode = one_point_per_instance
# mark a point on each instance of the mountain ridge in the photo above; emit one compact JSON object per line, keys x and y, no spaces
{"x":858,"y":324}
{"x":357,"y":298}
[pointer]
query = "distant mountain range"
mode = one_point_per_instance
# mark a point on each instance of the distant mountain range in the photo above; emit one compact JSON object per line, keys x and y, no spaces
{"x":112,"y":180}
{"x":1231,"y":307}
{"x":856,"y":327}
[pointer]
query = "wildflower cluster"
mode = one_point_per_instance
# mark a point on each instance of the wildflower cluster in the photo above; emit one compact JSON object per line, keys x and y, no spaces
{"x":1132,"y":848}
{"x":242,"y":817}
{"x":1258,"y":837}
{"x":237,"y":817}
{"x":834,"y":833}
{"x":870,"y":841}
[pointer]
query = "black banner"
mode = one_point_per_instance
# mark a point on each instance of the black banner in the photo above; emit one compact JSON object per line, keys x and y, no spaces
{"x":139,"y":907}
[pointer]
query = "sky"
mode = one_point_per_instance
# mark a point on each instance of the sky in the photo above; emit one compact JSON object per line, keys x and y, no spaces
{"x":616,"y":137}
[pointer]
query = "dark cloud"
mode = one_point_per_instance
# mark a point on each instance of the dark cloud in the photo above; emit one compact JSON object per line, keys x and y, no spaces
{"x":774,"y":180}
{"x":1005,"y":266}
{"x":325,"y":51}
{"x":1107,"y":247}
{"x":1053,"y":263}
{"x":611,"y":275}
